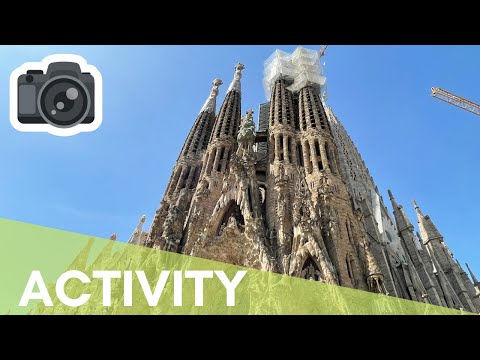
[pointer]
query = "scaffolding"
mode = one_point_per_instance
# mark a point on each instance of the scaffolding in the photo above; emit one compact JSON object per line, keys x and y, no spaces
{"x":299,"y":69}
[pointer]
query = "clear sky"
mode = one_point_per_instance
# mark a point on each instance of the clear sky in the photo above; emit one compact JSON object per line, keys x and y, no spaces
{"x":102,"y":182}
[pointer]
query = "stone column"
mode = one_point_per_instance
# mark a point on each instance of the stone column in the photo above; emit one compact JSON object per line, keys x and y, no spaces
{"x":277,"y":147}
{"x":306,"y":156}
{"x":285,"y":149}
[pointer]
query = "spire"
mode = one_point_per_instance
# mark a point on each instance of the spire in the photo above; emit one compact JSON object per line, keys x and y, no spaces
{"x":443,"y":259}
{"x":228,"y":118}
{"x":417,"y":209}
{"x":197,"y":139}
{"x":186,"y":172}
{"x":211,"y":103}
{"x":472,"y":275}
{"x":392,"y":199}
{"x":235,"y":85}
{"x":427,"y":228}
{"x":137,"y":234}
{"x":400,"y":217}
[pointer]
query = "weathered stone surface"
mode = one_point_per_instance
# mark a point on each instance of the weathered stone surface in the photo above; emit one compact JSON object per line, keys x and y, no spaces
{"x":296,"y":198}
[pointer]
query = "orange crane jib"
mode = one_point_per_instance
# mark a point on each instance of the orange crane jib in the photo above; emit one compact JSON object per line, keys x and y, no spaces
{"x":456,"y":100}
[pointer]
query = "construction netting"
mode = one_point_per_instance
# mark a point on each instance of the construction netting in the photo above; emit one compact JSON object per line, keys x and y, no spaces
{"x":299,"y":69}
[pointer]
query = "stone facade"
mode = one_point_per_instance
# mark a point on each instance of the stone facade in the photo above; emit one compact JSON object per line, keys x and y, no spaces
{"x":295,"y":197}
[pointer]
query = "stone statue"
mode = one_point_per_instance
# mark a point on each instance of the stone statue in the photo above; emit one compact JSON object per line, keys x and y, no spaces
{"x":231,"y":228}
{"x":203,"y":187}
{"x":246,"y":134}
{"x":232,"y":222}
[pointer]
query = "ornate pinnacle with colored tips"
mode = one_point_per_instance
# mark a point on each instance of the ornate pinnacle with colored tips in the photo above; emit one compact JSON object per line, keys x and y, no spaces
{"x":235,"y":85}
{"x":211,"y":104}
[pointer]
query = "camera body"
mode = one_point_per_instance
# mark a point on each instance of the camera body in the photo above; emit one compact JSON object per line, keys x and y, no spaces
{"x":63,"y":97}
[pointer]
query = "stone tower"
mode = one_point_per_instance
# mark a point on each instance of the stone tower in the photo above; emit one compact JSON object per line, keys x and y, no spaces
{"x":294,"y":196}
{"x":443,"y":259}
{"x":166,"y":230}
{"x":313,"y":228}
{"x":225,"y":221}
{"x":418,"y":265}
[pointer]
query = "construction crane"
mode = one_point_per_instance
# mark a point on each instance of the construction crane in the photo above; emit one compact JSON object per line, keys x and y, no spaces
{"x":456,"y":100}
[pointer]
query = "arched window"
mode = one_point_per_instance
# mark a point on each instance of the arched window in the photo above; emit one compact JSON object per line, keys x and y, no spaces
{"x":250,"y":205}
{"x":319,"y":156}
{"x":281,"y":147}
{"x":289,"y":149}
{"x":349,"y":262}
{"x":299,"y":154}
{"x":222,"y":153}
{"x":195,"y":177}
{"x":330,"y":159}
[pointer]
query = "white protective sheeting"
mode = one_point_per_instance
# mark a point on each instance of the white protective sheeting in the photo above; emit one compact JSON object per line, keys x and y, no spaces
{"x":299,"y":69}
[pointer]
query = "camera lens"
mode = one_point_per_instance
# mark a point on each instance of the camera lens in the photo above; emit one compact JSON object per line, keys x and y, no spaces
{"x":63,"y":101}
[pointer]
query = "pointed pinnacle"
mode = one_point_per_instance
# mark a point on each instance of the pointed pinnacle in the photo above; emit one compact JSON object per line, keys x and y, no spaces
{"x":418,"y":211}
{"x":390,"y":195}
{"x":235,"y":85}
{"x":210,"y":103}
{"x":392,"y":200}
{"x":472,"y":275}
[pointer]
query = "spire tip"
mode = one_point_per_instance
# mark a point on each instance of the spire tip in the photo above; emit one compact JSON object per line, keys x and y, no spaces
{"x":390,"y":194}
{"x":415,"y":204}
{"x":235,"y":85}
{"x":217,"y":82}
{"x":239,"y":67}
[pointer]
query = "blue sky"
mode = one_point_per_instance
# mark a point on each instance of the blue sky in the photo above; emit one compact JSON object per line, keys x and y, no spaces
{"x":99,"y":183}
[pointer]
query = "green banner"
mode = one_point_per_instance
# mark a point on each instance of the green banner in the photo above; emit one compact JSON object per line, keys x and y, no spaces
{"x":49,"y":271}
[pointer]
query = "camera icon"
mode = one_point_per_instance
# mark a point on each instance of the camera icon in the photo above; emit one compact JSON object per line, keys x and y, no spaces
{"x":61,"y":95}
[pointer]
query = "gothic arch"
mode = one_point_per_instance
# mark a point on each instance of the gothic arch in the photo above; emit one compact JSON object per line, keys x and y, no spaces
{"x":311,"y":270}
{"x":305,"y":253}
